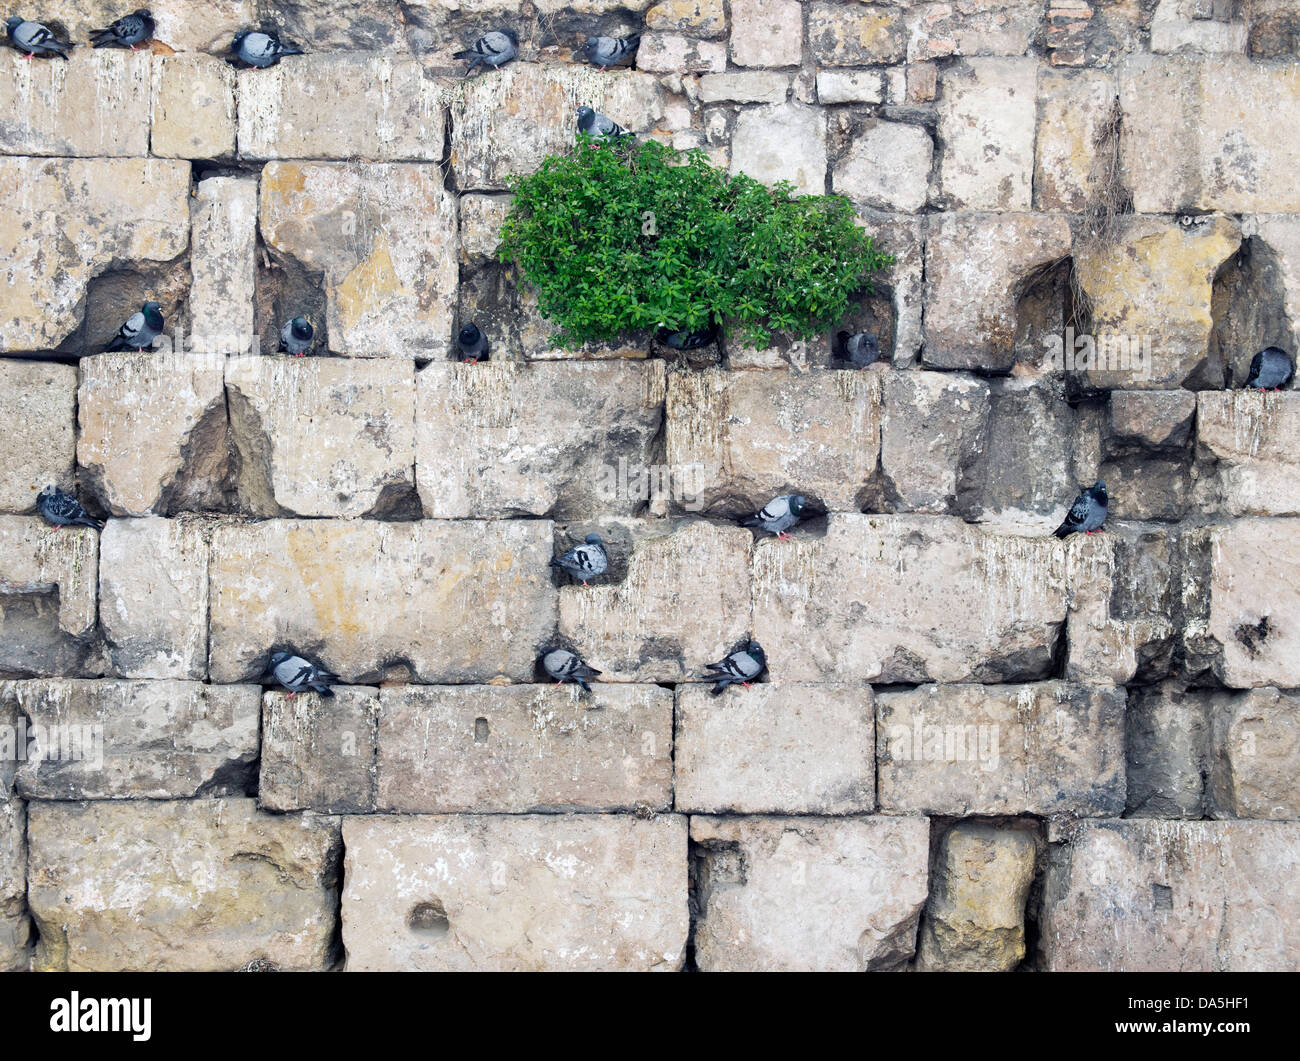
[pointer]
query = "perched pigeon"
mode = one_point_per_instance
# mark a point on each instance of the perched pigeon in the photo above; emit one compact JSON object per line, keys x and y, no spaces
{"x":1270,"y":370}
{"x":742,"y":666}
{"x":584,"y":561}
{"x":859,"y":349}
{"x":565,"y":666}
{"x":493,"y":49}
{"x":610,"y":51}
{"x":298,"y":675}
{"x":140,"y":329}
{"x":778,"y":515}
{"x":472,"y":344}
{"x":261,"y":48}
{"x":593,"y":123}
{"x":688,"y":339}
{"x":33,"y":39}
{"x":126,"y":32}
{"x":1088,"y":512}
{"x":64,"y":510}
{"x":296,"y":336}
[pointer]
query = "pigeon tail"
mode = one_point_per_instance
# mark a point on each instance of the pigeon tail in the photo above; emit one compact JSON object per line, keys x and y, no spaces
{"x":720,"y":687}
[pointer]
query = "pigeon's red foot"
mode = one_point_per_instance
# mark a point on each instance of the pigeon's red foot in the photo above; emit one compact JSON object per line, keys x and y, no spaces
{"x":584,"y":583}
{"x":472,"y":361}
{"x":745,"y":684}
{"x":57,"y":527}
{"x":291,"y":696}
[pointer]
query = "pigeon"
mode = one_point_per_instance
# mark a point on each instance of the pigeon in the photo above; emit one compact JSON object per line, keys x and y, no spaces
{"x":296,"y":336}
{"x":565,"y":666}
{"x":593,"y":123}
{"x":298,"y":675}
{"x":140,"y":329}
{"x":493,"y":49}
{"x":261,"y":48}
{"x":1270,"y":370}
{"x":778,"y":515}
{"x":687,"y":338}
{"x":584,"y":561}
{"x":610,"y":51}
{"x":859,"y":349}
{"x":742,"y":666}
{"x":472,"y":344}
{"x":64,"y":510}
{"x":33,"y":39}
{"x":1088,"y":512}
{"x":126,"y":32}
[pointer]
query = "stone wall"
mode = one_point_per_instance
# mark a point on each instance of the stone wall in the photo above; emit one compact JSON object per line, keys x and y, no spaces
{"x":978,"y":747}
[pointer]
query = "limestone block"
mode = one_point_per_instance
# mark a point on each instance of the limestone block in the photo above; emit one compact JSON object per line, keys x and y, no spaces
{"x":1256,"y":740}
{"x":786,"y":142}
{"x":223,"y":262}
{"x":38,"y":406}
{"x":1249,"y":445}
{"x":193,"y":107}
{"x":318,"y":753}
{"x":886,"y":167}
{"x":766,"y":32}
{"x":856,"y":35}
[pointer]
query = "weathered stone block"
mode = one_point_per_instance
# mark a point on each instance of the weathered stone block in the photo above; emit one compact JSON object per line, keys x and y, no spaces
{"x":141,"y":416}
{"x":182,"y":25}
{"x":1076,"y":109}
{"x":193,"y":108}
{"x":985,"y":27}
{"x":1156,"y":896}
{"x":1151,"y":420}
{"x":333,"y":435}
{"x":666,"y":53}
{"x":1256,"y":742}
{"x":36,"y":559}
{"x":38,"y":406}
{"x":190,"y":885}
{"x":782,"y":143}
{"x":109,"y":739}
{"x":525,"y":748}
{"x":1281,"y":235}
{"x":1249,"y":447}
{"x":462,"y":602}
{"x":887,"y":167}
{"x":850,"y":86}
{"x":934,"y":430}
{"x":318,"y":753}
{"x":776,"y":749}
{"x":1046,"y":748}
{"x":481,"y":218}
{"x":223,"y":215}
{"x":515,"y":893}
{"x":766,"y":32}
{"x":856,"y":35}
{"x":74,"y":219}
{"x":384,"y":236}
{"x":700,"y":18}
{"x":757,"y":86}
{"x":818,"y":894}
{"x":153,"y":597}
{"x":1168,"y":748}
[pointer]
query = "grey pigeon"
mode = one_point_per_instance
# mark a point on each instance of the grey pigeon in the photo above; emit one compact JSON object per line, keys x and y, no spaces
{"x":688,"y":338}
{"x":1088,"y":512}
{"x":593,"y":123}
{"x":610,"y":51}
{"x":64,"y":510}
{"x":584,"y":561}
{"x":126,"y":32}
{"x":296,"y":336}
{"x":298,"y":675}
{"x":33,"y":39}
{"x":472,"y":344}
{"x":493,"y":49}
{"x":779,"y":514}
{"x":139,"y":330}
{"x":261,"y":47}
{"x":1271,"y":369}
{"x":741,"y":667}
{"x":565,"y":666}
{"x":859,"y":349}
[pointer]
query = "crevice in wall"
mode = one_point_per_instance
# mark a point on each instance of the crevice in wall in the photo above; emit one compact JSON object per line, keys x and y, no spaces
{"x":1248,"y":310}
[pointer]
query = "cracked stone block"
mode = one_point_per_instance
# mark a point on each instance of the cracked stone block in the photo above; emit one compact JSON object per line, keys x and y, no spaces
{"x":38,"y":406}
{"x":683,"y":602}
{"x":786,"y":142}
{"x":515,"y":893}
{"x":318,"y":753}
{"x":223,"y":214}
{"x":976,"y":268}
{"x":193,"y":108}
{"x":1168,"y":745}
{"x":181,"y":886}
{"x":462,"y":602}
{"x":949,"y":602}
{"x":324,"y":436}
{"x":808,"y":894}
{"x":668,"y":53}
{"x":1249,"y":448}
{"x":1000,"y":27}
{"x":754,"y":435}
{"x":776,"y":749}
{"x":75,"y":219}
{"x":887,"y":167}
{"x":987,"y":111}
{"x":508,"y":123}
{"x":384,"y":237}
{"x":153,"y":597}
{"x":507,"y":439}
{"x":975,"y":919}
{"x":1044,"y":748}
{"x":524,"y":749}
{"x":111,"y":739}
{"x":145,"y":420}
{"x":757,"y":86}
{"x":1075,"y":108}
{"x":334,"y":105}
{"x":857,"y":35}
{"x":934,"y":428}
{"x":766,"y":32}
{"x":94,"y":105}
{"x":1157,"y":896}
{"x":1256,"y":741}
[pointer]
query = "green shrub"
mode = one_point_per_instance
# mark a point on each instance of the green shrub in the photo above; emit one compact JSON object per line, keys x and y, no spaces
{"x":620,"y":236}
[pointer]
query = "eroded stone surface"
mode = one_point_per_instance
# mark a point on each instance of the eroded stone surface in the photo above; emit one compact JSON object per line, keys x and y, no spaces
{"x":1256,"y":739}
{"x":223,"y":262}
{"x":1249,"y":445}
{"x":318,"y":753}
{"x":193,"y":107}
{"x":38,"y":403}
